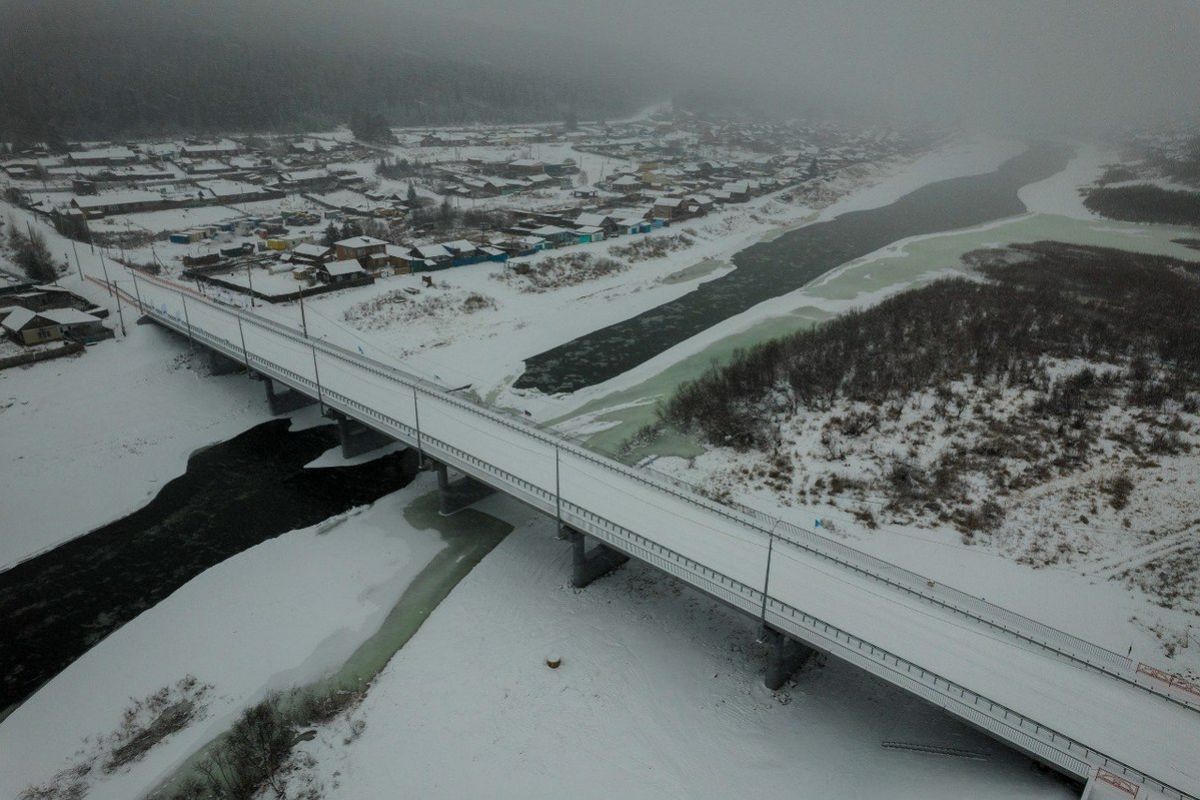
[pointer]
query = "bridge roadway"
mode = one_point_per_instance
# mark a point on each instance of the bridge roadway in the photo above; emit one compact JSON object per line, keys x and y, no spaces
{"x":1068,"y":703}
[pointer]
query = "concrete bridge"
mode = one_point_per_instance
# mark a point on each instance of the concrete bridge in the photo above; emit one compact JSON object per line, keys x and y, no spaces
{"x":1092,"y":714}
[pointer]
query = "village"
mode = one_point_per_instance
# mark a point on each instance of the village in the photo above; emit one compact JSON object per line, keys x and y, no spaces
{"x":272,"y":219}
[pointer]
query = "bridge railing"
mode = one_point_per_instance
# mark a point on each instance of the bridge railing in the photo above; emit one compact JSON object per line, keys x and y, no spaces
{"x":1001,"y":720}
{"x":1040,"y":634}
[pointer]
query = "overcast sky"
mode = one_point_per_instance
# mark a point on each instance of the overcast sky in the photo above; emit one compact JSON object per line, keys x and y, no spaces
{"x":1035,"y":65}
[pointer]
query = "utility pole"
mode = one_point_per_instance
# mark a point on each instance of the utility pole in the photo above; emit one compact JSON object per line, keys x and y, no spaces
{"x":317,"y":376}
{"x":104,"y":267}
{"x":557,"y":491}
{"x":137,"y":292}
{"x":120,"y":315}
{"x":250,"y":281}
{"x":417,"y":417}
{"x":245,"y":353}
{"x":767,"y":578}
{"x":303,"y":319}
{"x":77,"y":265}
{"x":187,"y":320}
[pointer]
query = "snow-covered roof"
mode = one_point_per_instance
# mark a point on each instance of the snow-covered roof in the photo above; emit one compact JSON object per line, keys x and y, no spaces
{"x":360,"y":241}
{"x":431,"y":251}
{"x":591,"y":219}
{"x":550,"y":230}
{"x":346,"y":267}
{"x":68,"y":316}
{"x":459,"y":246}
{"x":668,"y":202}
{"x":17,"y":319}
{"x":103,"y":153}
{"x":311,"y":250}
{"x":116,"y":198}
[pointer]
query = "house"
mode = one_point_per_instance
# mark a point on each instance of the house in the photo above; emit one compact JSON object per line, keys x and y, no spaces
{"x":556,"y":236}
{"x":739,"y":191}
{"x":309,"y":253}
{"x":590,"y":233}
{"x":78,"y":325}
{"x":606,"y":222}
{"x":523,"y":167}
{"x":668,"y":208}
{"x":102,"y":157}
{"x":306,"y":180}
{"x":342,"y":271}
{"x":126,"y":202}
{"x":225,"y":147}
{"x":435,"y":255}
{"x":28,"y":327}
{"x":359,"y":247}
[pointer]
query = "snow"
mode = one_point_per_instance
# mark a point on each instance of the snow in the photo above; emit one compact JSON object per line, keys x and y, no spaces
{"x":1086,"y":705}
{"x":659,"y":695}
{"x":281,"y":614}
{"x":114,"y":425}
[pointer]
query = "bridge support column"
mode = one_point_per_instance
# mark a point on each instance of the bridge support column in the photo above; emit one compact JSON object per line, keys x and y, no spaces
{"x":222,"y":365}
{"x":285,"y":401}
{"x":785,"y":657}
{"x":357,"y":438}
{"x":588,"y":566}
{"x":459,"y":493}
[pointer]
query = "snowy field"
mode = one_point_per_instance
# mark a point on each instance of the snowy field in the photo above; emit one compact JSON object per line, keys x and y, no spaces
{"x":469,"y":709}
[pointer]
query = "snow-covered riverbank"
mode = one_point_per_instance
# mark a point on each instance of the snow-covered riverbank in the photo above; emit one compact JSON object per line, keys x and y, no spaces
{"x":92,"y":438}
{"x":659,"y":695}
{"x":282,"y":614}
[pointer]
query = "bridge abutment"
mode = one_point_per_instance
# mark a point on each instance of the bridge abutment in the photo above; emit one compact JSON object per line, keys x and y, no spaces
{"x":459,"y":493}
{"x":287,"y":400}
{"x":785,"y":657}
{"x":587,"y":566}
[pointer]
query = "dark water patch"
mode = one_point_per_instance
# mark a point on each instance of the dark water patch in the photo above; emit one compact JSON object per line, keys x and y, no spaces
{"x":770,"y":269}
{"x":234,"y":495}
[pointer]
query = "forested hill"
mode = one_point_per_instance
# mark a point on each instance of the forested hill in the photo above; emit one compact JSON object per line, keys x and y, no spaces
{"x":109,"y":68}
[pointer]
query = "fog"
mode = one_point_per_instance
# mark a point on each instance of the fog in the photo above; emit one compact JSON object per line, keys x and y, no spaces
{"x":1074,"y":66}
{"x":1081,"y":67}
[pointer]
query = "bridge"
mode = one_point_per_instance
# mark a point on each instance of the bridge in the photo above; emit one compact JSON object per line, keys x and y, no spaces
{"x":1118,"y":726}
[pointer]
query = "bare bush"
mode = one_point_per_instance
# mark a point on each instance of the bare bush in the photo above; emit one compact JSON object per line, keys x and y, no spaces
{"x":556,"y":272}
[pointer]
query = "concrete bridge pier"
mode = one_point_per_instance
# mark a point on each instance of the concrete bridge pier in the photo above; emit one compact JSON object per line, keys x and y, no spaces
{"x":785,"y":657}
{"x":357,"y":438}
{"x":459,"y":493}
{"x":588,"y":566}
{"x":287,"y":400}
{"x":219,"y":364}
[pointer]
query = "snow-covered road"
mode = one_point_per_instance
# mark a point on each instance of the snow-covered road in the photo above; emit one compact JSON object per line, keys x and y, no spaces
{"x":1041,"y":699}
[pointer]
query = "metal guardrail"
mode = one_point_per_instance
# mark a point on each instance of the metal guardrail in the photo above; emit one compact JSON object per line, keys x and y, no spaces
{"x":1010,"y":622}
{"x":998,"y":719}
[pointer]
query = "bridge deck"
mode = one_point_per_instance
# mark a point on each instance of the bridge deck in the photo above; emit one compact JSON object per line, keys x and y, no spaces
{"x":1062,"y":700}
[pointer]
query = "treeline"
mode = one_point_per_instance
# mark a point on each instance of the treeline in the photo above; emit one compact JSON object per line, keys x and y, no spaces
{"x":1058,"y":300}
{"x":1145,"y":203}
{"x":71,"y":71}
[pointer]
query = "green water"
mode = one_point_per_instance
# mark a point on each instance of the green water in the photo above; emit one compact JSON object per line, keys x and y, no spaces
{"x":907,"y":264}
{"x":468,"y":535}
